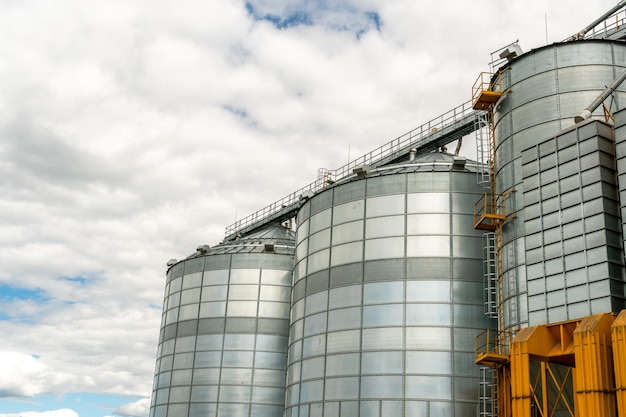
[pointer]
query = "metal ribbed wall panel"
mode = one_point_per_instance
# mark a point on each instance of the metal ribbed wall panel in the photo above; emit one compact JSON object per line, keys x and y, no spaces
{"x":574,"y":257}
{"x":544,"y":90}
{"x":387,"y":297}
{"x":224,"y":334}
{"x":620,"y":151}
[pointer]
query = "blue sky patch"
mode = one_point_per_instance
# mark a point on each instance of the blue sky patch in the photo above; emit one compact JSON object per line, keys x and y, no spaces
{"x":13,"y":294}
{"x":85,"y":404}
{"x":10,"y":293}
{"x":241,"y":113}
{"x":337,"y":16}
{"x":80,"y":280}
{"x":295,"y":18}
{"x":375,"y":19}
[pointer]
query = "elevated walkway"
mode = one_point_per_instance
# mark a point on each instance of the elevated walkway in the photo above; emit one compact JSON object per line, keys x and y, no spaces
{"x":442,"y":130}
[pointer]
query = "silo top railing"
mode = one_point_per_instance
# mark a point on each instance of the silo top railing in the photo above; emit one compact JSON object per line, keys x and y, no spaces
{"x":434,"y":130}
{"x":611,"y":27}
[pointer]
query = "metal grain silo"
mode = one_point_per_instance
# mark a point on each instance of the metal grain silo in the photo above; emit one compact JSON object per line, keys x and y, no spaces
{"x":387,"y":297}
{"x":544,"y":90}
{"x":223,"y":342}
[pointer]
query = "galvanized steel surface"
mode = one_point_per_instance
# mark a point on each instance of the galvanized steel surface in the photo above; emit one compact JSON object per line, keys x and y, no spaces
{"x":620,"y":150}
{"x":224,"y":334}
{"x":574,"y":256}
{"x":387,"y":297}
{"x":544,"y":90}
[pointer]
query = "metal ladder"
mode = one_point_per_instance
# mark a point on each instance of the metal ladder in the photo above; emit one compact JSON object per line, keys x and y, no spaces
{"x":486,"y":392}
{"x":483,"y":148}
{"x":490,"y":276}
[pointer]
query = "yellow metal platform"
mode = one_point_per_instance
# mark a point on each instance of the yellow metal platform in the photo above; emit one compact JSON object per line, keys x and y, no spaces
{"x":491,"y":358}
{"x":486,"y":91}
{"x":488,"y":221}
{"x":488,"y":215}
{"x":485,"y":99}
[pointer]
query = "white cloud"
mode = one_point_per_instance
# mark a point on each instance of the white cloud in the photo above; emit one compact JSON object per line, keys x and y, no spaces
{"x":139,"y":408}
{"x":56,"y":413}
{"x":22,"y":375}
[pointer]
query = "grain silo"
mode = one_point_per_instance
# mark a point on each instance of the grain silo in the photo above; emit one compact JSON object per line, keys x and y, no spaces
{"x":553,"y":201}
{"x":387,"y":297}
{"x":223,"y":341}
{"x":555,"y":212}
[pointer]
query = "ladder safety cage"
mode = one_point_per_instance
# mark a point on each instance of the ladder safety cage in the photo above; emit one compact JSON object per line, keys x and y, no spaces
{"x":490,"y":275}
{"x":483,"y":146}
{"x":485,"y":392}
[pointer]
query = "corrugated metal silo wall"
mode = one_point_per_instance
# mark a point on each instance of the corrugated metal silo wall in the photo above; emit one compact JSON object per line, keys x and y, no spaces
{"x":545,"y":89}
{"x":223,"y":344}
{"x":387,"y":299}
{"x":573,"y":237}
{"x":620,"y":152}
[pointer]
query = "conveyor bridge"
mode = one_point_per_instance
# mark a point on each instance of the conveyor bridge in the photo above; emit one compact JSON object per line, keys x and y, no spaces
{"x":442,"y":130}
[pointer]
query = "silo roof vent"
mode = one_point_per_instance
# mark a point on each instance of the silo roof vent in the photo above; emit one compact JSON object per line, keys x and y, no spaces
{"x":361,"y":171}
{"x":511,"y":52}
{"x":203,"y":249}
{"x":306,"y":194}
{"x":458,"y":163}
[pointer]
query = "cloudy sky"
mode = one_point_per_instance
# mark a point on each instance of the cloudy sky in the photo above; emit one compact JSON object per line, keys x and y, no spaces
{"x":132,"y":131}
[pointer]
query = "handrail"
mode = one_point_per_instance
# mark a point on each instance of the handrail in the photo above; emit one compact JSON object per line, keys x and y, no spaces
{"x":611,"y":24}
{"x":485,"y":206}
{"x":410,"y":138}
{"x":486,"y":90}
{"x":413,"y":138}
{"x":275,"y":207}
{"x":494,"y":342}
